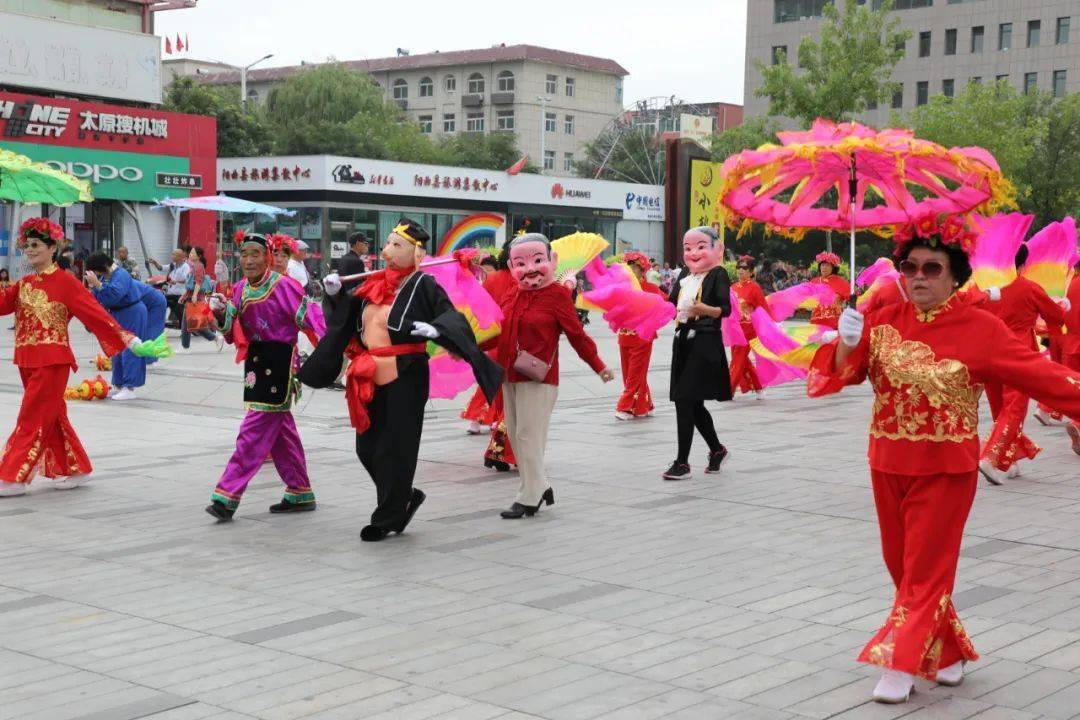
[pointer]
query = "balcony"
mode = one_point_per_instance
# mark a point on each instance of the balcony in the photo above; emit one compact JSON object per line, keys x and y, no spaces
{"x":502,"y":98}
{"x":472,"y":100}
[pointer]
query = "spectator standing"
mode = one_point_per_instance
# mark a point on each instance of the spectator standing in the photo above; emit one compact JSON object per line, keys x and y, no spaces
{"x":176,"y":276}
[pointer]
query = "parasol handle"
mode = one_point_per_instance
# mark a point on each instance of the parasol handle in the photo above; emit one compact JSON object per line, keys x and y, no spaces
{"x":853,"y":186}
{"x":360,"y":276}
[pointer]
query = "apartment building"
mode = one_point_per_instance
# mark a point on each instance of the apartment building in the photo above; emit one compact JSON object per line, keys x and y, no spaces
{"x":554,"y":101}
{"x":1032,"y":45}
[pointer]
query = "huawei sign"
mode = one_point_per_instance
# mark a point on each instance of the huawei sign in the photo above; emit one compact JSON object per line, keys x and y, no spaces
{"x":558,"y":192}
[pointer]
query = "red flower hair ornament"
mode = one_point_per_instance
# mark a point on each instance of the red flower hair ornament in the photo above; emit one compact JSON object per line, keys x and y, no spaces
{"x":40,"y":228}
{"x":286,"y":243}
{"x":637,"y":258}
{"x":938,"y":231}
{"x":828,"y":257}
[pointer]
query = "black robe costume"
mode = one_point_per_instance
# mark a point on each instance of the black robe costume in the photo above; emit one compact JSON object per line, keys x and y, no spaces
{"x":388,"y":449}
{"x":699,"y":367}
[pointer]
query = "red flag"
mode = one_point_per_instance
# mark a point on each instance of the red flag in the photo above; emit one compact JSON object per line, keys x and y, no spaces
{"x":518,"y":166}
{"x":168,"y":47}
{"x":179,"y":43}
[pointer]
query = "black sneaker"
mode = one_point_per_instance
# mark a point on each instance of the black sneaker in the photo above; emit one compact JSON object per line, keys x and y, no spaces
{"x":678,"y":471}
{"x":417,"y":499}
{"x":717,"y":460}
{"x":219,"y":511}
{"x":373,"y":533}
{"x":290,"y":507}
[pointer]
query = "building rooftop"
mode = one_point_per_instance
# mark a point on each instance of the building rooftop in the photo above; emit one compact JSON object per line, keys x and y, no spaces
{"x":498,"y":53}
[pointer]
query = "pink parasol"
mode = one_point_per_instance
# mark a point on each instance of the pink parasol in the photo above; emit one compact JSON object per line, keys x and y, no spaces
{"x":881,"y":179}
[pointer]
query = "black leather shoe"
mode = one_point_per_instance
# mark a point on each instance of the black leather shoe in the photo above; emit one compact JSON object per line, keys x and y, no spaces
{"x":717,"y":460}
{"x":290,"y":507}
{"x":498,"y":465}
{"x":218,"y":510}
{"x":373,"y":533}
{"x":517,"y":510}
{"x":417,"y":499}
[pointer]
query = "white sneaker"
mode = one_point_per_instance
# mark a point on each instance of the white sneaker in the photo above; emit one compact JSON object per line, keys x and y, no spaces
{"x":112,"y":391}
{"x":185,"y":350}
{"x":124,"y":394}
{"x":1046,"y":418}
{"x":8,"y":489}
{"x":991,"y":473}
{"x":70,"y":483}
{"x":894,"y":687}
{"x":1014,"y":471}
{"x":761,"y":394}
{"x":219,"y":340}
{"x":1074,"y":435}
{"x":475,"y":428}
{"x":623,"y":416}
{"x":952,"y":675}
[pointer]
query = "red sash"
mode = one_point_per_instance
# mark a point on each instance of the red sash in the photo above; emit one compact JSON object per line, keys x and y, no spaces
{"x":360,"y":377}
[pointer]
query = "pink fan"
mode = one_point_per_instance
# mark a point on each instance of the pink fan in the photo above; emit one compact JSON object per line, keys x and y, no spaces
{"x":993,"y":263}
{"x":623,"y":306}
{"x":1052,"y":254}
{"x":806,"y":296}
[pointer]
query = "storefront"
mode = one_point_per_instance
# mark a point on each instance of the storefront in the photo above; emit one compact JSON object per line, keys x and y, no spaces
{"x":336,"y":196}
{"x":131,"y":157}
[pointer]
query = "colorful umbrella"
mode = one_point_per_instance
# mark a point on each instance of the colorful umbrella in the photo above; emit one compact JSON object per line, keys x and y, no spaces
{"x":881,"y":180}
{"x":224,"y":203}
{"x":23,"y":180}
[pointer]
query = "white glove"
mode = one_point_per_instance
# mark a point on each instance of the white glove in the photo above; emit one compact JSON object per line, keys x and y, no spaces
{"x":424,"y":330}
{"x":829,"y":335}
{"x":994,"y":293}
{"x":133,"y":343}
{"x":217,"y":304}
{"x":851,"y":327}
{"x":332,"y":284}
{"x":1066,"y":304}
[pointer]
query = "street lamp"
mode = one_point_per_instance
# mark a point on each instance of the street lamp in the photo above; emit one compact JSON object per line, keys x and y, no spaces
{"x":543,"y":129}
{"x":243,"y":80}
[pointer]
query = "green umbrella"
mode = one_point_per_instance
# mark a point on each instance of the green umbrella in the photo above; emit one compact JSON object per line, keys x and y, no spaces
{"x":23,"y":180}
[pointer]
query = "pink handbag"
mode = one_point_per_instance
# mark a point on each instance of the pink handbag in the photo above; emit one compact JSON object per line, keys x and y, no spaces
{"x":531,"y":366}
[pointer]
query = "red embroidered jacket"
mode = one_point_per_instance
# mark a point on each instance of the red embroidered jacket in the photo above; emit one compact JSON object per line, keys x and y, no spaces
{"x":830,"y":314}
{"x":927,"y":370}
{"x":43,"y":304}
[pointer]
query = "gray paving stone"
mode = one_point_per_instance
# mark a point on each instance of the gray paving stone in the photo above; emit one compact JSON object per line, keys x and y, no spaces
{"x":27,"y":602}
{"x":977,"y":595}
{"x":554,"y":602}
{"x":140,"y":709}
{"x":275,"y":632}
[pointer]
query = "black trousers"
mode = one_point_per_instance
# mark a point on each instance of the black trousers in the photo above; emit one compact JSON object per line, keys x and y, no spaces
{"x":389,"y":448}
{"x":690,"y":414}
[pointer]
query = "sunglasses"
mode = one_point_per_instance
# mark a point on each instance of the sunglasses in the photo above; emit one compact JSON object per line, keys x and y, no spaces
{"x":930,"y":270}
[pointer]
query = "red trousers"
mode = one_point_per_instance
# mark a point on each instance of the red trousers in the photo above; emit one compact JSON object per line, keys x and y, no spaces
{"x":743,"y":375}
{"x":635,"y":355}
{"x":478,"y":410}
{"x":1007,"y":443}
{"x":499,"y":448}
{"x":43,"y":438}
{"x":1071,"y":361}
{"x":921,"y":519}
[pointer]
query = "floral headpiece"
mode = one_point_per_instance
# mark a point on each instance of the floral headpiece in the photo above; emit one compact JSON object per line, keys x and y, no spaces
{"x":286,"y":243}
{"x":41,"y":228}
{"x":637,"y":258}
{"x":745,"y":260}
{"x":937,"y":231}
{"x":828,"y":257}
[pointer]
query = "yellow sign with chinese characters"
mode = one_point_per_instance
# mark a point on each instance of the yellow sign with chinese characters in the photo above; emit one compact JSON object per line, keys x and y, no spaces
{"x":704,"y":206}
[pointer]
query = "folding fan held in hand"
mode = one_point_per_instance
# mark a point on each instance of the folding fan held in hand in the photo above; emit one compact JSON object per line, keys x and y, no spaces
{"x":574,"y":252}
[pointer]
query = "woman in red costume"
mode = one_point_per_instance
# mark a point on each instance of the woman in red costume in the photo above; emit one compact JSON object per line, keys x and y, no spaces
{"x":828,"y":263}
{"x":635,"y":353}
{"x":1070,"y":344}
{"x":44,"y":302}
{"x":926,"y":360}
{"x":751,"y":297}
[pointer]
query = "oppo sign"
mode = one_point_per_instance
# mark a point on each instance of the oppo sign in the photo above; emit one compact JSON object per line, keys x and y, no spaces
{"x":96,"y":173}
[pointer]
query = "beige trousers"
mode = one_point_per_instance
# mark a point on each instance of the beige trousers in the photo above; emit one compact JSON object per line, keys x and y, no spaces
{"x":528,"y":407}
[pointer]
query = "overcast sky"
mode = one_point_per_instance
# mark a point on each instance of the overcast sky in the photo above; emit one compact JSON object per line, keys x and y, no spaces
{"x":692,"y":49}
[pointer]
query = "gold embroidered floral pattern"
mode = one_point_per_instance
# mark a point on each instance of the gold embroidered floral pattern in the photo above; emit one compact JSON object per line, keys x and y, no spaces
{"x":881,"y":654}
{"x":39,"y":320}
{"x":918,"y":396}
{"x":899,"y":616}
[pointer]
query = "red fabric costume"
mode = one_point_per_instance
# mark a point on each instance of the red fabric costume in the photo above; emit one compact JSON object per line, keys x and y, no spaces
{"x":829,"y":315}
{"x":926,"y":370}
{"x":1070,"y":343}
{"x":43,"y":438}
{"x":743,"y":375}
{"x":635,"y":355}
{"x":1022,"y":303}
{"x":478,"y":410}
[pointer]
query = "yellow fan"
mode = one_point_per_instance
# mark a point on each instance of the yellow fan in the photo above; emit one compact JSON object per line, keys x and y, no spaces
{"x":575,"y":251}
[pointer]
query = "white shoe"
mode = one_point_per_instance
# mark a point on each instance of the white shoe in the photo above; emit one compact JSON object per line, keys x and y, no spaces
{"x":219,"y":340}
{"x":623,"y":416}
{"x":991,"y":473}
{"x":894,"y":687}
{"x":1014,"y":471}
{"x":124,"y":394}
{"x":185,"y":350}
{"x":952,"y":675}
{"x":1074,"y":435}
{"x":1046,"y":418}
{"x":70,"y":483}
{"x":112,"y":391}
{"x":8,"y":489}
{"x":761,"y":394}
{"x":475,"y":428}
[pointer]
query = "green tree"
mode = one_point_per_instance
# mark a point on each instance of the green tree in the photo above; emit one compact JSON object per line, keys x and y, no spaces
{"x":239,"y":134}
{"x":496,"y":151}
{"x":752,"y":133}
{"x":629,"y":154}
{"x":842,"y":72}
{"x":1034,"y":138}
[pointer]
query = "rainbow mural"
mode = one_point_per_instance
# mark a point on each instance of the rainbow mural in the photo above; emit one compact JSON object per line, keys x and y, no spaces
{"x":478,"y":229}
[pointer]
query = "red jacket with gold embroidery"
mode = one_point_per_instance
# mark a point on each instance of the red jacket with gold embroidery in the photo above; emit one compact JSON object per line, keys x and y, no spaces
{"x":927,"y":370}
{"x":830,"y":314}
{"x":43,"y":304}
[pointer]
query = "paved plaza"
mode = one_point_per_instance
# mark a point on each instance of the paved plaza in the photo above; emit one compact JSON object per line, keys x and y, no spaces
{"x":741,"y":596}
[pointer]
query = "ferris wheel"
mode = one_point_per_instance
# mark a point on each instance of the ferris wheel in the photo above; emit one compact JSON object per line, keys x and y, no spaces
{"x":630,"y":148}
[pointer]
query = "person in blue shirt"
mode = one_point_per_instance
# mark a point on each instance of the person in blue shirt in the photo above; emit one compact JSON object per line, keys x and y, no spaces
{"x":122,"y":296}
{"x":157,"y":307}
